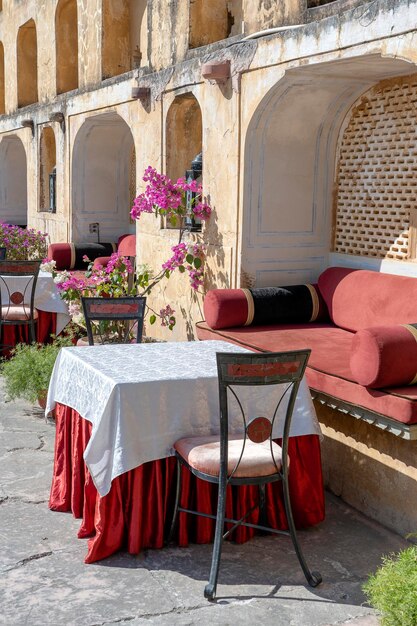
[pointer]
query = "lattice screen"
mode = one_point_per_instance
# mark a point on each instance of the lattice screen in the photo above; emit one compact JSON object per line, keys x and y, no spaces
{"x":377,"y":173}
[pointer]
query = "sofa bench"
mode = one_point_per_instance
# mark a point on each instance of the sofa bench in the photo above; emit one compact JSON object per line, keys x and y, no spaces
{"x":70,"y":256}
{"x":359,"y":326}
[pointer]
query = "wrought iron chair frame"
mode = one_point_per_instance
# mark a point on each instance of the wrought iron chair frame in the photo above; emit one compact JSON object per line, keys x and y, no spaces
{"x":123,"y":316}
{"x":227,"y":381}
{"x":9,"y":269}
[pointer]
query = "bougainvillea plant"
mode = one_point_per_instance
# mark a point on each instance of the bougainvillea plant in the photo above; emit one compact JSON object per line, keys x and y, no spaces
{"x":22,"y":244}
{"x":162,"y":197}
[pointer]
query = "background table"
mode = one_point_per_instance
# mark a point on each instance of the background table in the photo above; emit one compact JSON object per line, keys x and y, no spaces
{"x":53,"y":311}
{"x":136,"y":401}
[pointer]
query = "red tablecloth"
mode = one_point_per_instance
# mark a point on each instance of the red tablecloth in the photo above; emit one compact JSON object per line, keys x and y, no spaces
{"x":11,"y":335}
{"x":137,"y":511}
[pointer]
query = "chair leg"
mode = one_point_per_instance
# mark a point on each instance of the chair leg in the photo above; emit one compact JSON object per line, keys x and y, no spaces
{"x":210,"y":589}
{"x":177,"y":503}
{"x":313,"y":578}
{"x":32,"y":332}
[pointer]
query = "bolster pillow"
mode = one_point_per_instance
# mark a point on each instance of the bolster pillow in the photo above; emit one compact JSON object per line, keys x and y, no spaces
{"x":385,"y":356}
{"x":226,"y":308}
{"x":69,"y":256}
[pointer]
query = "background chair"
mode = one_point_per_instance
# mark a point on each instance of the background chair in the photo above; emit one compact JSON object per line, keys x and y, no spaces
{"x":17,"y":295}
{"x":2,"y":254}
{"x":252,"y":458}
{"x":114,"y":320}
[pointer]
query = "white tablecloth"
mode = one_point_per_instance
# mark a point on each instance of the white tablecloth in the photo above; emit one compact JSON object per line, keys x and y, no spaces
{"x":141,"y":398}
{"x":47,"y":296}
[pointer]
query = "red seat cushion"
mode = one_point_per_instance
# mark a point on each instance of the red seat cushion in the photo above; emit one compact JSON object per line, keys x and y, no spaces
{"x":385,"y":356}
{"x":328,"y":368}
{"x":203,"y":454}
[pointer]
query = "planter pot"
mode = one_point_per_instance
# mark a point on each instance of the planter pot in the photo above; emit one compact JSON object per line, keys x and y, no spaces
{"x":42,"y":395}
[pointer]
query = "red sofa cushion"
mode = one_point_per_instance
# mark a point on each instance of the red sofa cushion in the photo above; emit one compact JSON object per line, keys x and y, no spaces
{"x":385,"y":356}
{"x":328,"y":368}
{"x":359,"y":299}
{"x":224,"y":308}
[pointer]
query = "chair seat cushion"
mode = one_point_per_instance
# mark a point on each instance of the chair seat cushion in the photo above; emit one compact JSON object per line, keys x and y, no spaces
{"x":203,"y":454}
{"x":17,"y":313}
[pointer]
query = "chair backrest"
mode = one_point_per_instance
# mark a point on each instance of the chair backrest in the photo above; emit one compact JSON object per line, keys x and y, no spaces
{"x":284,"y":371}
{"x":17,"y":285}
{"x":114,"y":320}
{"x":2,"y":253}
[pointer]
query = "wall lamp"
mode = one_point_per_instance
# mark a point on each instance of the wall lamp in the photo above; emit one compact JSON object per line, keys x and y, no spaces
{"x":29,"y":124}
{"x":58,"y":117}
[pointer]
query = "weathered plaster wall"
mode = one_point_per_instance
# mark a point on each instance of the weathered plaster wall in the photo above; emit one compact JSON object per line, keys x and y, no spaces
{"x":370,"y":469}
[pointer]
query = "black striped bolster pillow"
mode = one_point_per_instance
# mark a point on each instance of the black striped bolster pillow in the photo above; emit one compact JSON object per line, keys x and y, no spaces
{"x":227,"y":308}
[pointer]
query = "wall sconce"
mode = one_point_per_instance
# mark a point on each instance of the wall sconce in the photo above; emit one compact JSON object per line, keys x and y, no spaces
{"x":29,"y":124}
{"x":58,"y":117}
{"x":141,"y":93}
{"x":219,"y":71}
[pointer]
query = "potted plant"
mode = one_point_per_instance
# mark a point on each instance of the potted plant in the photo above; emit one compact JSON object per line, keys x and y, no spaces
{"x":27,"y":373}
{"x":392,"y":589}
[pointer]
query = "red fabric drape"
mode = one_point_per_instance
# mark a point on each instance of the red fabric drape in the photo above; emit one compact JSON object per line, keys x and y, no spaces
{"x":137,"y":511}
{"x":45,"y":326}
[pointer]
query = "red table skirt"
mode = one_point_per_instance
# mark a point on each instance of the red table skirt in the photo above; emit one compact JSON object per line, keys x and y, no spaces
{"x":45,"y":326}
{"x":136,"y":513}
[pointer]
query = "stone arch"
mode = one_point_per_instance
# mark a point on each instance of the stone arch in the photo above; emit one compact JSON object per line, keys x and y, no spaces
{"x":13,"y":181}
{"x":47,"y":165}
{"x":2,"y":82}
{"x":213,"y":21}
{"x":290,"y":157}
{"x":124,"y":36}
{"x":102,"y":178}
{"x":184,"y":134}
{"x":66,"y":37}
{"x":27,"y":64}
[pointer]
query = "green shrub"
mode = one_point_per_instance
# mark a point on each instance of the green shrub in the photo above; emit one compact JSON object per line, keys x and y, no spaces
{"x":393,"y":589}
{"x":28,"y":372}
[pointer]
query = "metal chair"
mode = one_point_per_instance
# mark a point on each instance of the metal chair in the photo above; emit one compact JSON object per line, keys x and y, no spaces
{"x":17,"y":295}
{"x":114,"y":320}
{"x":2,"y":253}
{"x":252,"y":458}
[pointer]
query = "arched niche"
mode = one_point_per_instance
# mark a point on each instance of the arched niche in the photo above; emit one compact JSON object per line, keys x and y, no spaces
{"x":102,"y":179}
{"x":2,"y":84}
{"x":124,"y":36}
{"x":289,"y":169}
{"x":27,"y":64}
{"x":66,"y":37}
{"x":13,"y":181}
{"x":47,"y":165}
{"x":184,"y":134}
{"x":213,"y":21}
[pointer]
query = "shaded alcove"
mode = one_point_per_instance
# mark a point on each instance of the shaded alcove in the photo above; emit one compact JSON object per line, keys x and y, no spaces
{"x":124,"y":36}
{"x":13,"y":181}
{"x":290,"y":164}
{"x":47,"y":165}
{"x":213,"y":21}
{"x":2,"y":84}
{"x":184,"y":134}
{"x":102,"y":179}
{"x":66,"y":37}
{"x":27,"y":64}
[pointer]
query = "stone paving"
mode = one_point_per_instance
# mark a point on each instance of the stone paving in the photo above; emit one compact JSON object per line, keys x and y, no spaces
{"x":44,"y":580}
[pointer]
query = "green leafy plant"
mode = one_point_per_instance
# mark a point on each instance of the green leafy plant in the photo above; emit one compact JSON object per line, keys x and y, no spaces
{"x":28,"y":372}
{"x":393,"y":589}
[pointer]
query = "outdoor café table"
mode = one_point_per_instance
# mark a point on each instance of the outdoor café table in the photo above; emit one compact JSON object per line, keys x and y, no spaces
{"x":53,"y":311}
{"x":120,"y":408}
